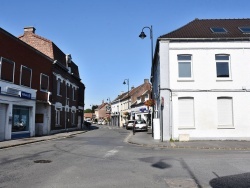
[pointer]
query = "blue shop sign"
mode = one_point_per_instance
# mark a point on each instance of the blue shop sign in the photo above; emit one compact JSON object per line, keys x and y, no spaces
{"x":143,"y":109}
{"x":25,"y":95}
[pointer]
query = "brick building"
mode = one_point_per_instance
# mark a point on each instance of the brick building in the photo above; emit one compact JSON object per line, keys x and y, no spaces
{"x":24,"y":84}
{"x":67,"y":99}
{"x":39,"y":93}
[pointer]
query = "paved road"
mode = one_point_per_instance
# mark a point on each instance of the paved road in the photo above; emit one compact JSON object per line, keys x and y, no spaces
{"x":101,"y":158}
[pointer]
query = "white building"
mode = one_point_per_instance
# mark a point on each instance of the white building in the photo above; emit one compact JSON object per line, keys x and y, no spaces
{"x":201,"y":81}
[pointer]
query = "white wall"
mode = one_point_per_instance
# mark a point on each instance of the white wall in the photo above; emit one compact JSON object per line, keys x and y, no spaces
{"x":205,"y":88}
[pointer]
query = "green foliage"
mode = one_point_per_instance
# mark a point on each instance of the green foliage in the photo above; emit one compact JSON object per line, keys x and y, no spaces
{"x":88,"y":110}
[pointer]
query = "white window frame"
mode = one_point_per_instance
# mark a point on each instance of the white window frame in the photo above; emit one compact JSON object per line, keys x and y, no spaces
{"x":186,"y":61}
{"x":223,"y":61}
{"x":225,"y":112}
{"x":183,"y":116}
{"x":13,"y":73}
{"x":21,"y":74}
{"x":41,"y":75}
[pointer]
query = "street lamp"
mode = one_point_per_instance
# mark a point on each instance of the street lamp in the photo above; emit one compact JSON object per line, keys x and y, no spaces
{"x":124,"y":82}
{"x":108,"y":109}
{"x":142,"y":36}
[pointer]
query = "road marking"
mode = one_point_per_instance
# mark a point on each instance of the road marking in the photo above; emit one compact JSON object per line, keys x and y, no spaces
{"x":112,"y":152}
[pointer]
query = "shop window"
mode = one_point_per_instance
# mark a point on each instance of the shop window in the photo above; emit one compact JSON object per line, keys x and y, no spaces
{"x":44,"y":82}
{"x":20,"y":120}
{"x":26,"y":74}
{"x":7,"y":68}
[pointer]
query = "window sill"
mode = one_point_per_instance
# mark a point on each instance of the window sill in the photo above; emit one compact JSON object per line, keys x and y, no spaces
{"x":224,"y":80}
{"x":59,"y":95}
{"x":185,"y":80}
{"x":225,"y":127}
{"x":184,"y":128}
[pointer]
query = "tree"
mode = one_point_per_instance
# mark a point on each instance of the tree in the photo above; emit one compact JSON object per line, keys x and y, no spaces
{"x":88,"y":111}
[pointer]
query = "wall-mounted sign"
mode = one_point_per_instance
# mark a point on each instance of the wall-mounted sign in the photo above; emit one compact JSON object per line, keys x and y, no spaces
{"x":25,"y":95}
{"x":143,"y":109}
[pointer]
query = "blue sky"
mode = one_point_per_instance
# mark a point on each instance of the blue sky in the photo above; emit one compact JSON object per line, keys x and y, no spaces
{"x":102,"y":35}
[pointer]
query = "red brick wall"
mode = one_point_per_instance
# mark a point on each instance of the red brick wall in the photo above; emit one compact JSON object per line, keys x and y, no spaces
{"x":22,"y":54}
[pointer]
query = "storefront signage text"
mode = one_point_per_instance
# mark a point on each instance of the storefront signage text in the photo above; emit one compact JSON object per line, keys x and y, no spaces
{"x":25,"y":95}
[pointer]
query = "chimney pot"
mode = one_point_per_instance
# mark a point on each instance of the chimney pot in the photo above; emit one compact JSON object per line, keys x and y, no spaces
{"x":29,"y":29}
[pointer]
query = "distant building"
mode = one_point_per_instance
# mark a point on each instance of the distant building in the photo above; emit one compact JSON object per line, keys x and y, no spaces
{"x":131,"y":105}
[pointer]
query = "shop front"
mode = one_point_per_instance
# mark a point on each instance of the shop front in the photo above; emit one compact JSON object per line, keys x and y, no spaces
{"x":20,"y":122}
{"x":17,"y":111}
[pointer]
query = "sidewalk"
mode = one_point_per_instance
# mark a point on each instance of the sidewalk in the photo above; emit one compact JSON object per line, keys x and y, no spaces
{"x":23,"y":141}
{"x":144,"y":139}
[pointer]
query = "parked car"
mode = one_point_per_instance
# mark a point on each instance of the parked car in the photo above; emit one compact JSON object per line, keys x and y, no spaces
{"x":129,"y":124}
{"x":140,"y":125}
{"x":104,"y":122}
{"x":99,"y":122}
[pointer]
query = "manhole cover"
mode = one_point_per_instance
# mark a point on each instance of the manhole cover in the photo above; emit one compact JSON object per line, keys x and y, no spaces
{"x":42,"y":161}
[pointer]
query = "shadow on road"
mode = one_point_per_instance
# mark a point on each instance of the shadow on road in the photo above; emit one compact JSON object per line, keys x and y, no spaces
{"x":239,"y":180}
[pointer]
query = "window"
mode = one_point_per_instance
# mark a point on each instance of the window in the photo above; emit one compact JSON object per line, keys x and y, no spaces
{"x":222,"y":66}
{"x":73,"y":94}
{"x":73,"y":117}
{"x":186,"y":112}
{"x":245,"y":30}
{"x":59,"y":87}
{"x":185,"y":66}
{"x":44,"y":82}
{"x":57,"y":117}
{"x":225,"y":112}
{"x":26,"y":74}
{"x":7,"y":68}
{"x":218,"y":30}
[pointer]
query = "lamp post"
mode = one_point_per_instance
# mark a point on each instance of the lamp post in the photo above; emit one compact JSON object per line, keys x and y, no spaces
{"x":124,"y":82}
{"x":142,"y":36}
{"x":108,"y":109}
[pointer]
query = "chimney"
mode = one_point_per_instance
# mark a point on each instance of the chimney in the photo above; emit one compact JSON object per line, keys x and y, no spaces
{"x":132,"y":87}
{"x":29,"y":30}
{"x":146,"y":80}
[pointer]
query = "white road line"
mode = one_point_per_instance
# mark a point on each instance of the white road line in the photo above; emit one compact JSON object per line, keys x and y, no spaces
{"x":112,"y":152}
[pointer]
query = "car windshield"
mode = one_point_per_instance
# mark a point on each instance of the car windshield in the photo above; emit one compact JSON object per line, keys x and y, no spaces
{"x":131,"y":121}
{"x":140,"y":122}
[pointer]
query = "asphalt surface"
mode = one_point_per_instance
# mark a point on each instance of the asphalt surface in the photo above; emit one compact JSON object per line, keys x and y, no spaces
{"x":143,"y":139}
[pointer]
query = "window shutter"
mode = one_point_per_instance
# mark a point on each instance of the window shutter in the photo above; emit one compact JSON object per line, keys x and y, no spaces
{"x":186,"y":112}
{"x":225,"y":112}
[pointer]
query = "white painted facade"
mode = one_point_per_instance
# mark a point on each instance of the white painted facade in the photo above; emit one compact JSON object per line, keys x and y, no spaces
{"x":219,"y":106}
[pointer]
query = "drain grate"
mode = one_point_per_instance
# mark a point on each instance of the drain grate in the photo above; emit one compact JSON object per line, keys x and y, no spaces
{"x":42,"y":161}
